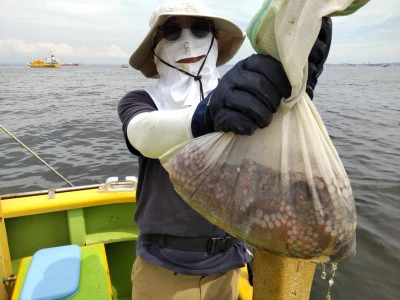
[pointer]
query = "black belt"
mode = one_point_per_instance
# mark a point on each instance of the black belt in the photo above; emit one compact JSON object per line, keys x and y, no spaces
{"x":194,"y":244}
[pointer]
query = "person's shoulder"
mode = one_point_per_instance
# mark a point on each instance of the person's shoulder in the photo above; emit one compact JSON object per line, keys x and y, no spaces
{"x":137,"y":94}
{"x":137,"y":98}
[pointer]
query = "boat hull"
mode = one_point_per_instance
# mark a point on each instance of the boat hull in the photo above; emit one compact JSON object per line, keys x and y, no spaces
{"x":80,"y":216}
{"x":47,"y":66}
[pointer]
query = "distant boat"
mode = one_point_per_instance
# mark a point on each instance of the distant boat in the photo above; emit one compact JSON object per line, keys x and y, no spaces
{"x":124,"y":66}
{"x":70,"y":65}
{"x":50,"y":62}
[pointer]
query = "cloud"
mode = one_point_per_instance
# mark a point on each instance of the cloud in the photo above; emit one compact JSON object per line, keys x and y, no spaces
{"x":369,"y":37}
{"x":104,"y":30}
{"x":13,"y":46}
{"x":79,"y":8}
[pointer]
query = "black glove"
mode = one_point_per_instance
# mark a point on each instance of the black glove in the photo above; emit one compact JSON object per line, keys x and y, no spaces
{"x":245,"y":98}
{"x":318,"y":55}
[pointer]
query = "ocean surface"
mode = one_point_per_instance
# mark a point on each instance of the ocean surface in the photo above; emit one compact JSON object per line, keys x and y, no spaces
{"x":68,"y":117}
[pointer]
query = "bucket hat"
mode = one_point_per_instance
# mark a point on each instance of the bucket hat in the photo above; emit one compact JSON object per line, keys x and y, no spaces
{"x":229,"y":35}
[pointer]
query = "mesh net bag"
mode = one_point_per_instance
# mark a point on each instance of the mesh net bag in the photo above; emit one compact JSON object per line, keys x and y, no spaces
{"x":284,"y":189}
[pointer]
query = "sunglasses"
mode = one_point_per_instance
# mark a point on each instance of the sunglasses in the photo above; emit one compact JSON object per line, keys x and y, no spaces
{"x":200,"y":29}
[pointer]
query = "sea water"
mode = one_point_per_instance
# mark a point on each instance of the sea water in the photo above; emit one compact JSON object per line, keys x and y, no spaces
{"x":68,"y":117}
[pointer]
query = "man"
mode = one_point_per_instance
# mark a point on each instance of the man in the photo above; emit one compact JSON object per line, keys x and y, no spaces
{"x":180,"y":255}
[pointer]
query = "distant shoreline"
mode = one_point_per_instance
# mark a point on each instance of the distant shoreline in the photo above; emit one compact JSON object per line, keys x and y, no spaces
{"x":327,"y":64}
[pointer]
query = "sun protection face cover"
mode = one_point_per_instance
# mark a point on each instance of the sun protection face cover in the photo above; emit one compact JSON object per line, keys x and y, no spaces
{"x":186,"y":46}
{"x":174,"y":89}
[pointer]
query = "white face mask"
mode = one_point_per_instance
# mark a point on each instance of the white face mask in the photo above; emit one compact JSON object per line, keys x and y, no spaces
{"x":174,"y":89}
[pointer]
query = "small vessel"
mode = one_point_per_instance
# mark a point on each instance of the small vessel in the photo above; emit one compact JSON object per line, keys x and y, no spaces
{"x":50,"y":62}
{"x":124,"y":66}
{"x":70,"y":65}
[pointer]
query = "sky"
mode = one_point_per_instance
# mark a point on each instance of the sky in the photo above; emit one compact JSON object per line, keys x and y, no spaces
{"x":108,"y":31}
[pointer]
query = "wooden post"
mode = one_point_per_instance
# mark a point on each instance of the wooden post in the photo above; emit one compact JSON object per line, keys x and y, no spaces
{"x":281,"y":278}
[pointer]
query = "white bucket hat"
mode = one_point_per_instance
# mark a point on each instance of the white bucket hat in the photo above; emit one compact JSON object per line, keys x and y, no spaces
{"x":229,"y":35}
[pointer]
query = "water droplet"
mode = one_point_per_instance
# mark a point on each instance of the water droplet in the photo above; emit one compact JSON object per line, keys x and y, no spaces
{"x":331,"y":282}
{"x":323,"y":275}
{"x":334,"y":266}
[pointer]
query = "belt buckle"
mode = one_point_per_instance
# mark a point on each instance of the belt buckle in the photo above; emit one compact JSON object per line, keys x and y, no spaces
{"x":218,"y":245}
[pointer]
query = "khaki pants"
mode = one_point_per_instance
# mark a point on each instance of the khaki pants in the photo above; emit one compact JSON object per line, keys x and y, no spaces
{"x":153,"y":282}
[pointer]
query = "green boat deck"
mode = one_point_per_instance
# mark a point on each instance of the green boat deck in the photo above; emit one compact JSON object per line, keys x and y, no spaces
{"x":110,"y":224}
{"x":82,"y":216}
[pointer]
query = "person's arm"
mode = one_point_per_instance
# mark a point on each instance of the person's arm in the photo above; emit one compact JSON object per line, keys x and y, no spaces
{"x":149,"y":132}
{"x":318,"y":55}
{"x":154,"y":133}
{"x":245,"y":99}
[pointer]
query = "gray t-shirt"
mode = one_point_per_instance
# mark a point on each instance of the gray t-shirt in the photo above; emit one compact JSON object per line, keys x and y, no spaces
{"x":160,"y":210}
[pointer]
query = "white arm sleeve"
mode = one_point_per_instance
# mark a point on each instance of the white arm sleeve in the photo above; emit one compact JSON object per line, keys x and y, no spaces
{"x":154,"y":133}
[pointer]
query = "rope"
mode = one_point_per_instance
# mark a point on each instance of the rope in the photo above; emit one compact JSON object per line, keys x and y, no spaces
{"x":34,"y":154}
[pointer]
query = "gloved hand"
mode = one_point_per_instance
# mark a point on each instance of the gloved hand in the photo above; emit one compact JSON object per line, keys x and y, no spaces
{"x":245,"y":98}
{"x":318,"y":55}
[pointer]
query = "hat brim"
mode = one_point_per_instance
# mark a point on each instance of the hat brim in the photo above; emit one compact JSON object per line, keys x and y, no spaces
{"x":229,"y":35}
